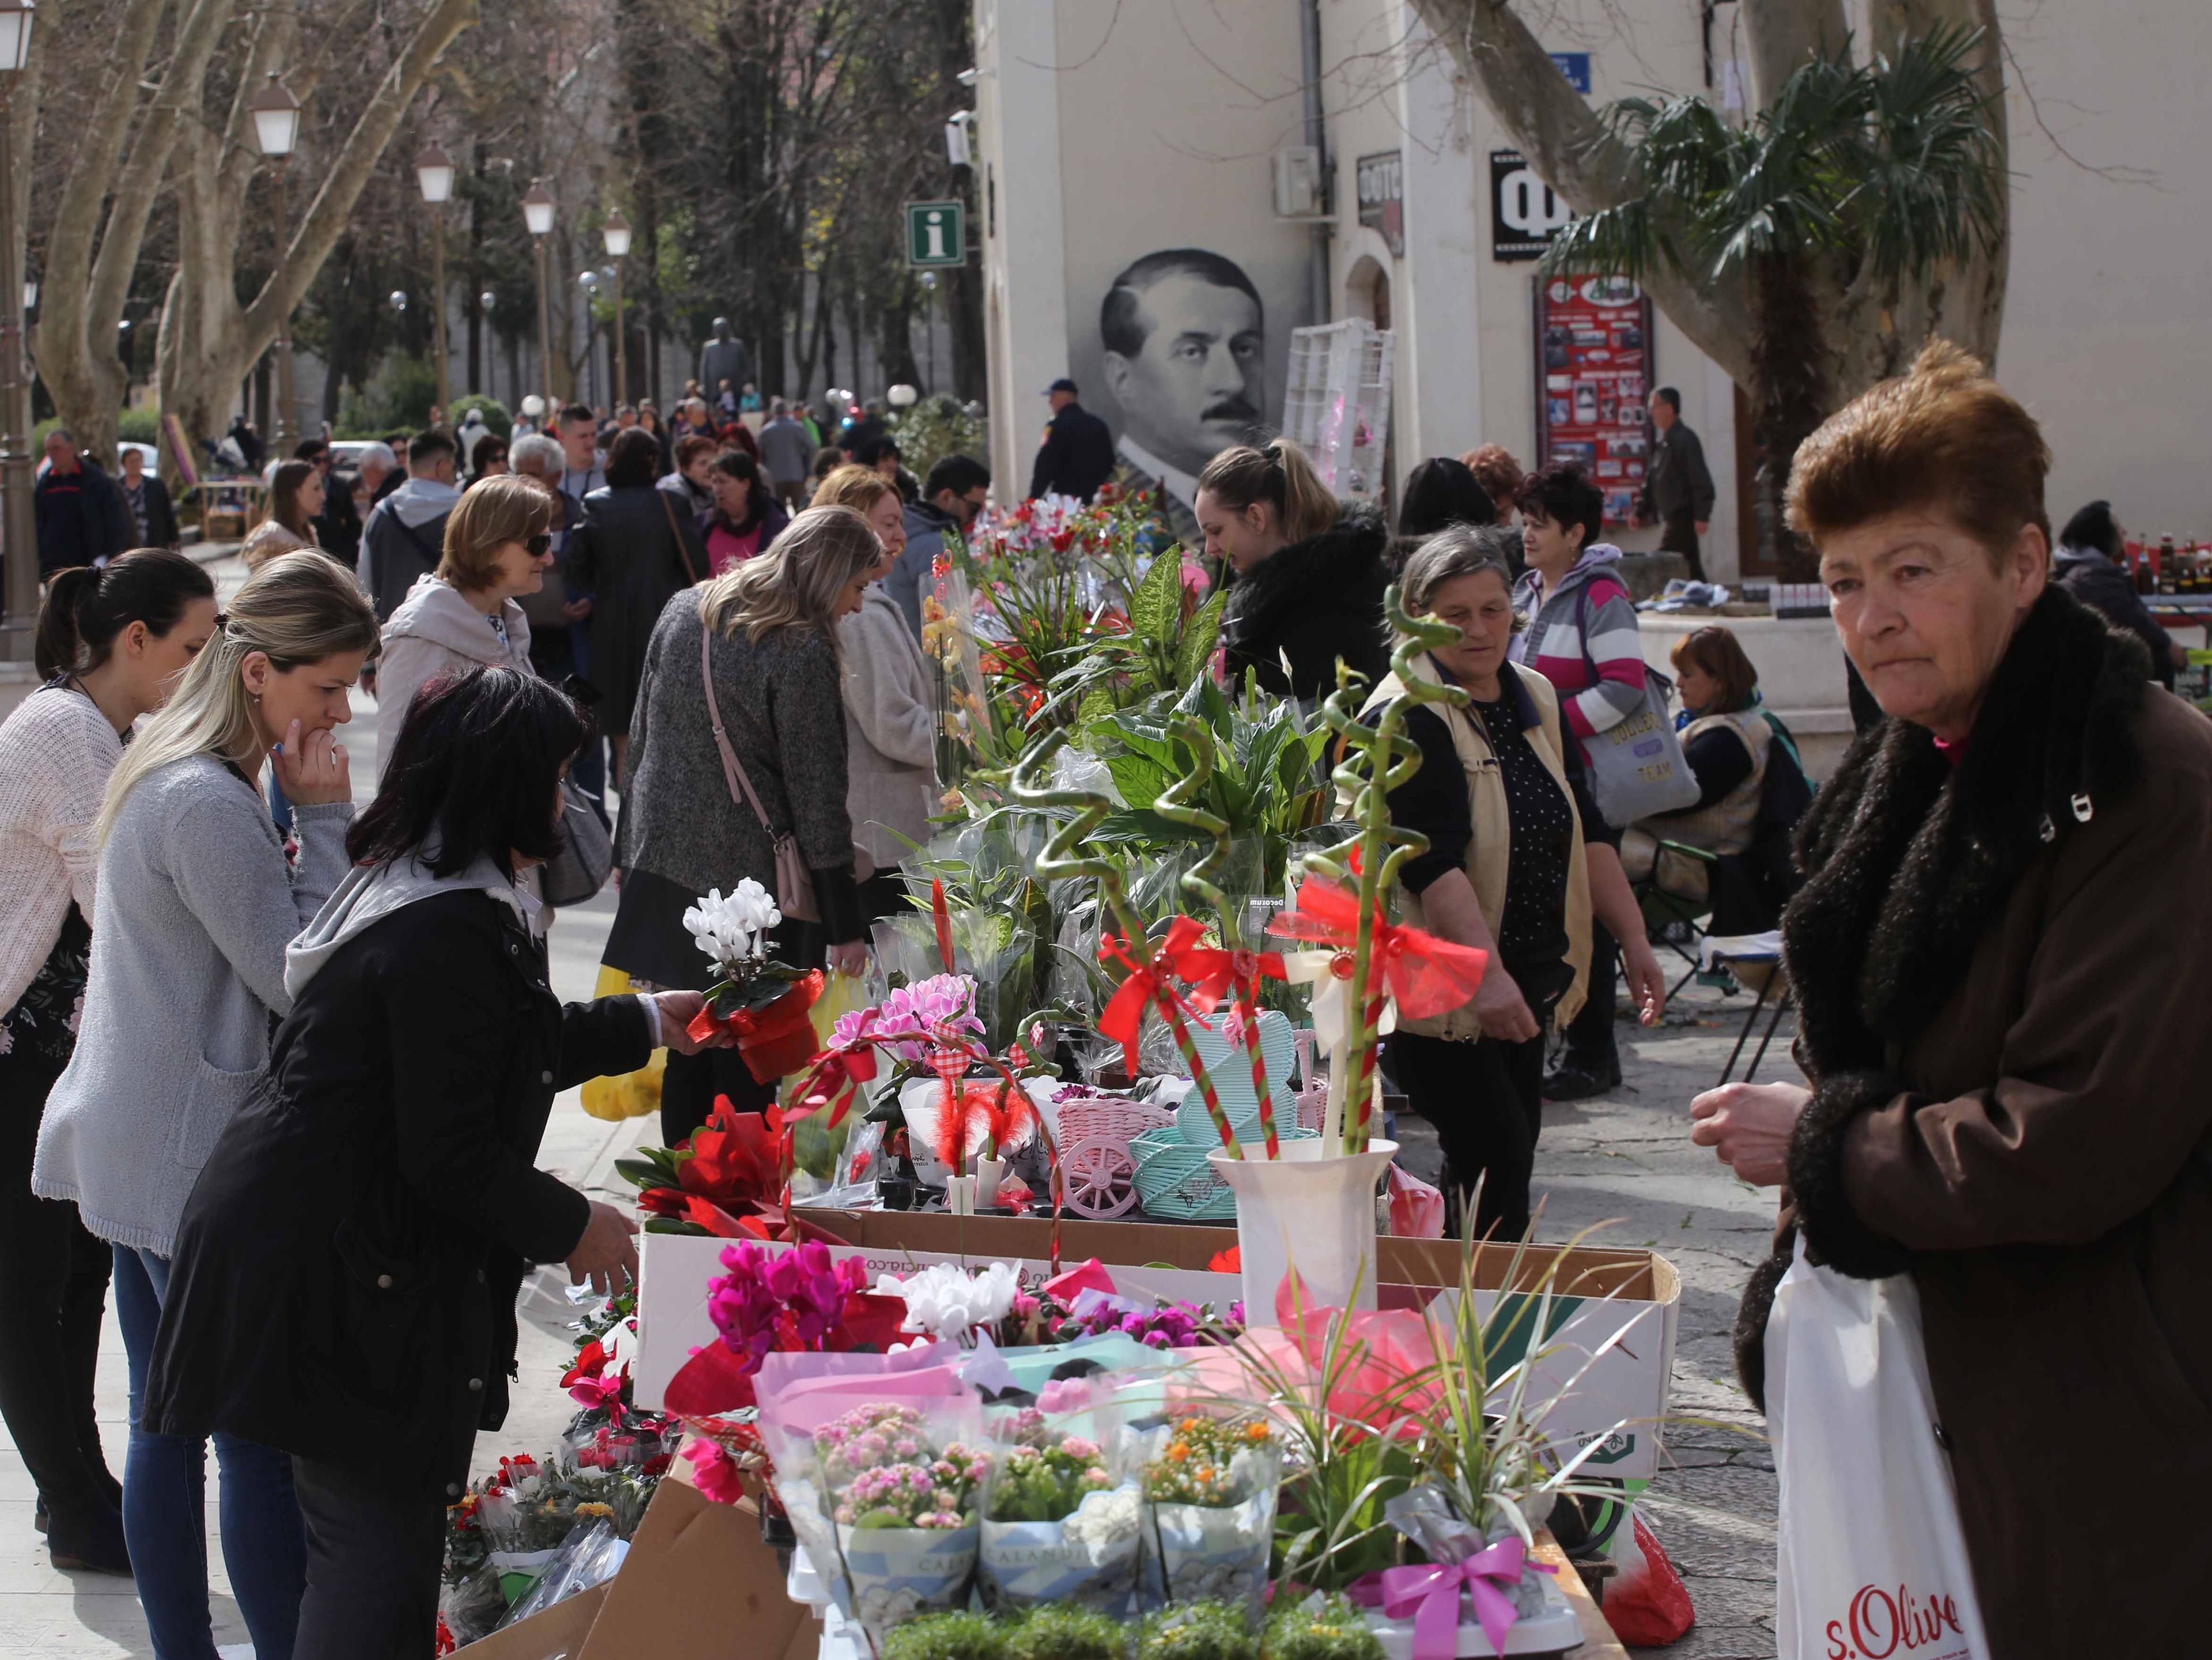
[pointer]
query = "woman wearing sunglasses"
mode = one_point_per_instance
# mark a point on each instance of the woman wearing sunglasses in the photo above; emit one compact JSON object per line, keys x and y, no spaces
{"x":464,"y":615}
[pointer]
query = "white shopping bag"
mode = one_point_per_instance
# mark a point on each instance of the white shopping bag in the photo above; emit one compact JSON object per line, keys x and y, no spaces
{"x":1870,"y":1559}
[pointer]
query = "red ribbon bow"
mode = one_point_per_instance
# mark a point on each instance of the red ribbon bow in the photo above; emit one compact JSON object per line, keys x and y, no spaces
{"x":1213,"y":973}
{"x":836,"y":1075}
{"x":1427,"y":975}
{"x":1177,"y":957}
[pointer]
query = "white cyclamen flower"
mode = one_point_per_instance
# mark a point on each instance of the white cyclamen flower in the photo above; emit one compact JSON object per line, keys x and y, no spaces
{"x":733,"y":929}
{"x":948,"y":1302}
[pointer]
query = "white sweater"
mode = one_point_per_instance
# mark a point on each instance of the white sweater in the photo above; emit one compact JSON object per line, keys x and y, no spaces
{"x":56,"y":752}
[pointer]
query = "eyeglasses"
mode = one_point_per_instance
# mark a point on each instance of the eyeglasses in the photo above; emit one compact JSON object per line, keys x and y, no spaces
{"x":540,"y":545}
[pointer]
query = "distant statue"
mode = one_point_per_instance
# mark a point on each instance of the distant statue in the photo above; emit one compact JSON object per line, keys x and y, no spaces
{"x":723,"y":358}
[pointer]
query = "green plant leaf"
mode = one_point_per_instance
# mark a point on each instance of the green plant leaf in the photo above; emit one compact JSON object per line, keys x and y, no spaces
{"x":1156,"y":605}
{"x":1199,"y":635}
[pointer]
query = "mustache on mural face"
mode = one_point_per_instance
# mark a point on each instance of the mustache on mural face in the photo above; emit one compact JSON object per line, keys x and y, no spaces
{"x":1230,"y":408}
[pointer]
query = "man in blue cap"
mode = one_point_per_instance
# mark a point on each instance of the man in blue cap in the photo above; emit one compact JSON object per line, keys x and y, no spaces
{"x":1077,"y":455}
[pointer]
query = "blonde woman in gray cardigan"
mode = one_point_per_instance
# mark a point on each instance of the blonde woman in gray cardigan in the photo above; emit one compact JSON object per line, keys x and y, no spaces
{"x":197,"y":901}
{"x":891,"y":747}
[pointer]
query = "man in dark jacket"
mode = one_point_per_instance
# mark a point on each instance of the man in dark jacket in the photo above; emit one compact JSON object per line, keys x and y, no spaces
{"x":2086,"y":566}
{"x":1077,"y":455}
{"x":153,"y":516}
{"x":80,"y":514}
{"x":1678,"y":490}
{"x":951,"y":496}
{"x":405,"y":535}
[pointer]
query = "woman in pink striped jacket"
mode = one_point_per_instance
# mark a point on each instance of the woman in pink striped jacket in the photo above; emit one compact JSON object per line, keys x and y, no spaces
{"x":1581,"y":637}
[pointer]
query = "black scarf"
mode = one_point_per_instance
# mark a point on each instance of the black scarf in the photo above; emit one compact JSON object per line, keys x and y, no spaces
{"x":1909,"y":862}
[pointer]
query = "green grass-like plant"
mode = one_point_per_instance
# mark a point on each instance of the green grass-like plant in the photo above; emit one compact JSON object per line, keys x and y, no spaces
{"x":1062,"y":1632}
{"x":958,"y":1635}
{"x":1198,"y":1631}
{"x":1319,"y":1627}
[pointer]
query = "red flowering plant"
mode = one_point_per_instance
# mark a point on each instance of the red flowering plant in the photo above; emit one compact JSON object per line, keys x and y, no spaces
{"x":726,"y":1178}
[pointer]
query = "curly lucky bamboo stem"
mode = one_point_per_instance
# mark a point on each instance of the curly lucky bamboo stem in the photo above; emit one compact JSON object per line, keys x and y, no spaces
{"x":1391,"y":759}
{"x":1178,"y":805}
{"x":1060,"y":859}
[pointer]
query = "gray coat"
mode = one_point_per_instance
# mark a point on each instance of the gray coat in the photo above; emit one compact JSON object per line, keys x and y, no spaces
{"x":890,"y":726}
{"x":196,"y":905}
{"x":782,"y":707}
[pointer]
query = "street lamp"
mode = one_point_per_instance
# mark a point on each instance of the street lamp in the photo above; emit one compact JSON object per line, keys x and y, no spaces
{"x":434,"y":172}
{"x":18,"y":524}
{"x":537,"y":215}
{"x":615,"y":232}
{"x":277,"y":131}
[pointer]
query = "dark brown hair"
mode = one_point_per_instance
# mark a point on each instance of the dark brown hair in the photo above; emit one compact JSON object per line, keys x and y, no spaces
{"x":85,"y":609}
{"x":1717,"y":652}
{"x":1945,"y":436}
{"x":284,"y":498}
{"x":693,"y":445}
{"x":1279,"y":474}
{"x":632,"y":458}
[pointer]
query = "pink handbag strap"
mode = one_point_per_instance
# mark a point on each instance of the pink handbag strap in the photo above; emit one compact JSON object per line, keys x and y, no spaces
{"x":733,"y":773}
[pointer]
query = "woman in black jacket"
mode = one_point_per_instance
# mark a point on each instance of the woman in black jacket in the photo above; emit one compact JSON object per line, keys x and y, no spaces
{"x":344,"y":1281}
{"x":1309,"y":576}
{"x":635,"y":549}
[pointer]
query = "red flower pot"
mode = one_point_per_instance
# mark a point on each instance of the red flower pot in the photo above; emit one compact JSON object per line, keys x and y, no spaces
{"x":778,"y":1040}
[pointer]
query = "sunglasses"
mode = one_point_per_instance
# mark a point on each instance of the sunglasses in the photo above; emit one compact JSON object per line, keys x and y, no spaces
{"x":540,"y":545}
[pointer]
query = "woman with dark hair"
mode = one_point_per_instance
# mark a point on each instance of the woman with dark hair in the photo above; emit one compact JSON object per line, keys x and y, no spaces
{"x":342,"y":1288}
{"x":1308,"y":576}
{"x":634,"y":548}
{"x":746,"y":517}
{"x":1440,"y":492}
{"x":110,"y":643}
{"x":2087,"y":564}
{"x":1581,"y":636}
{"x":295,"y":499}
{"x":740,"y":717}
{"x":1999,"y":957}
{"x":694,"y":454}
{"x":489,"y":458}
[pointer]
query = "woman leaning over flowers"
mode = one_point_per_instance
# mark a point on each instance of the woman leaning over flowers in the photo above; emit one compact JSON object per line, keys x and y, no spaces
{"x":768,"y":634}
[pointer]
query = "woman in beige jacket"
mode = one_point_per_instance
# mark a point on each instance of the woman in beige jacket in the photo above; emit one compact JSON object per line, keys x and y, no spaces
{"x":295,"y":496}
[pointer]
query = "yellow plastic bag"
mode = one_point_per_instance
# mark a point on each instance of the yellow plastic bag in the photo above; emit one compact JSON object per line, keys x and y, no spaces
{"x":841,"y":994}
{"x":633,"y":1094}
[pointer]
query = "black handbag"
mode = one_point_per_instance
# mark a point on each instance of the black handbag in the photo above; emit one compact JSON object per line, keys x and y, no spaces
{"x":586,"y":857}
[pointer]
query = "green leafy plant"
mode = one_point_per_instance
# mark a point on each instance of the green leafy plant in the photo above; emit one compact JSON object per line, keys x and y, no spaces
{"x":495,"y":416}
{"x":1067,"y":1632}
{"x":960,"y":1635}
{"x":1318,"y":1628}
{"x":933,"y":427}
{"x":1197,"y":1630}
{"x":1165,"y":647}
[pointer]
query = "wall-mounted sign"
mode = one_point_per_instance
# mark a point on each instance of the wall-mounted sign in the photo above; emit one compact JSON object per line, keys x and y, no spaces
{"x":1524,"y":214}
{"x":936,"y":233}
{"x":1592,"y":373}
{"x":1382,"y":182}
{"x":1575,"y":65}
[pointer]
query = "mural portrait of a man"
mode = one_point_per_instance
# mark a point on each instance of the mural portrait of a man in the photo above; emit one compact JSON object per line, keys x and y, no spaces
{"x":1185,"y":341}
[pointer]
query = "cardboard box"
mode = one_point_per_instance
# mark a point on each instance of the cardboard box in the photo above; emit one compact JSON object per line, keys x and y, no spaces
{"x":699,"y":1584}
{"x":1598,"y":1292}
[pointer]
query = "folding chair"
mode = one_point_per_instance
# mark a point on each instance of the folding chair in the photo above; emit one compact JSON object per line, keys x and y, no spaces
{"x":1763,"y":949}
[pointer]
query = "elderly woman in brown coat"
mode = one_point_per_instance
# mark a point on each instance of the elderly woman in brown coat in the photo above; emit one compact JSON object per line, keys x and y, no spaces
{"x":2001,"y":957}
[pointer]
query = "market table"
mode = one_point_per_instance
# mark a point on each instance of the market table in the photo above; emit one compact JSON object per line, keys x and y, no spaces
{"x":1598,"y":1641}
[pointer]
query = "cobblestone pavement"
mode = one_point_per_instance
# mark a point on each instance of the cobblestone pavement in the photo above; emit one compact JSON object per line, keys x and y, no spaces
{"x":1627,"y":1160}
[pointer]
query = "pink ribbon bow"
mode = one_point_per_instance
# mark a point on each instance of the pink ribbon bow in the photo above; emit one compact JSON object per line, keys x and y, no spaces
{"x":1429,"y":1593}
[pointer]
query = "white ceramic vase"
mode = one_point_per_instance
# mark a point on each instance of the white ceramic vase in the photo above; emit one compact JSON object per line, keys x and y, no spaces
{"x":989,"y":1172}
{"x":1310,"y":1213}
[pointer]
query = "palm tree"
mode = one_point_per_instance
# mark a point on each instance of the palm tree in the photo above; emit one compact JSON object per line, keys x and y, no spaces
{"x":1854,"y":181}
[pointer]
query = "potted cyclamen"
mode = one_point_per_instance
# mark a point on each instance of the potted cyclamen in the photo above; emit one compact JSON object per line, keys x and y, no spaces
{"x":764,"y":1003}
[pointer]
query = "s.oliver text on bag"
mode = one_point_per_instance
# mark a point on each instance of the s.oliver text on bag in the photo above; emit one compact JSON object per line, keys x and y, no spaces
{"x":1880,"y":1624}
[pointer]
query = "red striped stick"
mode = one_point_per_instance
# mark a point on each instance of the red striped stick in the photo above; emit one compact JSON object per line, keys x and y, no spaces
{"x":1356,"y":1141}
{"x":1246,"y":1011}
{"x":1171,"y":1012}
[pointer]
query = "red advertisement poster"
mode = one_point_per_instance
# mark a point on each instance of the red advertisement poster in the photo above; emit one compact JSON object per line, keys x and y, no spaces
{"x":1593,"y":375}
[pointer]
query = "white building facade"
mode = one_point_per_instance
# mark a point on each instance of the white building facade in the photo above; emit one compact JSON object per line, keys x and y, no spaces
{"x":1106,"y":134}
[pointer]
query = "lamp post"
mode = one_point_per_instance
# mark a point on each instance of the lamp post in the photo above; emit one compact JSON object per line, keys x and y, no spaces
{"x":276,"y":129}
{"x":589,"y":281}
{"x":537,"y":215}
{"x":434,"y":172}
{"x":18,"y":523}
{"x":617,"y":233}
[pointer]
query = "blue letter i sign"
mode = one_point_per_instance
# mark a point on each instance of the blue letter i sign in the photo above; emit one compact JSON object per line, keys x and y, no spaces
{"x":936,"y":233}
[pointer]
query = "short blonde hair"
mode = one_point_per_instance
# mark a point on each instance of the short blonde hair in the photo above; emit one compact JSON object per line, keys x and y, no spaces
{"x":853,"y":486}
{"x":492,"y":512}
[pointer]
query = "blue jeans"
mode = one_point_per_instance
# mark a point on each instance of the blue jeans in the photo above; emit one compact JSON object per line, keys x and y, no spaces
{"x":165,"y":1506}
